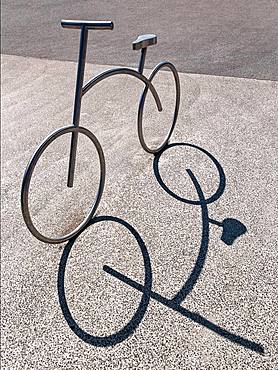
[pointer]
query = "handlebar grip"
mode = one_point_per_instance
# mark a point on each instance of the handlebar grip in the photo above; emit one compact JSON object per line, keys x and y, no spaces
{"x":90,"y":25}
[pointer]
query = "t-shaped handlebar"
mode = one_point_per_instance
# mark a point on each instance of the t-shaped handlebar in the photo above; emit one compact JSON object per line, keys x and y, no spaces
{"x":89,"y":25}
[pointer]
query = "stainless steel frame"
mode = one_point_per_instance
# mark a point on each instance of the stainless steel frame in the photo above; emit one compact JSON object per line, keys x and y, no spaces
{"x":80,"y":90}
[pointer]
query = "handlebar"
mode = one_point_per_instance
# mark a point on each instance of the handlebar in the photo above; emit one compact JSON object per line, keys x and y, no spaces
{"x":89,"y":25}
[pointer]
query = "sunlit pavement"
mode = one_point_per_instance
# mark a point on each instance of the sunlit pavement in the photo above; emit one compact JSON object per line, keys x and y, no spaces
{"x":225,"y":316}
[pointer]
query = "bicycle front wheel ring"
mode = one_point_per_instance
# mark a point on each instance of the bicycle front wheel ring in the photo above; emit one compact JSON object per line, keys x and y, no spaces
{"x":28,"y":175}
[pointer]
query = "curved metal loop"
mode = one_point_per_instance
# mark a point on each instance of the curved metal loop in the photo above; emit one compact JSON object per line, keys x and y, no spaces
{"x":142,"y":103}
{"x":127,"y":71}
{"x":27,"y":179}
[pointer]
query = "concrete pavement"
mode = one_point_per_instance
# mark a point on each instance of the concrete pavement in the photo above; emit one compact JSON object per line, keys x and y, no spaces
{"x":233,"y":119}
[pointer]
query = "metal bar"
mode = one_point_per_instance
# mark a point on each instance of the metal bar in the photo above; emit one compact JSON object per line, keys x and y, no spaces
{"x":90,"y":25}
{"x":77,"y":102}
{"x":127,"y":71}
{"x":142,"y":60}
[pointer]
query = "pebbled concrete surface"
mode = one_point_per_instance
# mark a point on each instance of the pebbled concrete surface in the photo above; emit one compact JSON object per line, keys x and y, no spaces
{"x":220,"y":37}
{"x":236,"y":121}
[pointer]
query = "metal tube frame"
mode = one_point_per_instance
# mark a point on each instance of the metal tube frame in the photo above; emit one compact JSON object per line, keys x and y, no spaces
{"x":80,"y":90}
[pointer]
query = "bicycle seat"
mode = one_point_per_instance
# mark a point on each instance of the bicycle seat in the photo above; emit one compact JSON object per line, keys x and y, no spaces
{"x":143,"y":41}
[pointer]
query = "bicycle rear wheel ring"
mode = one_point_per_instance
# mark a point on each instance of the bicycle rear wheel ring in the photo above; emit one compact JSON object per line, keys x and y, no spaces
{"x":28,"y":175}
{"x":171,"y":67}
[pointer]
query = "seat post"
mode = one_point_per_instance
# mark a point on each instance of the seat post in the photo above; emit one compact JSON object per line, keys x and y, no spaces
{"x":141,"y":43}
{"x":77,"y":101}
{"x":142,"y":60}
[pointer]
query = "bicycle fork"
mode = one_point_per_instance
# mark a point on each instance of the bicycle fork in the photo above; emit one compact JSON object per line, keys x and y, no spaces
{"x":84,"y":26}
{"x":77,"y":102}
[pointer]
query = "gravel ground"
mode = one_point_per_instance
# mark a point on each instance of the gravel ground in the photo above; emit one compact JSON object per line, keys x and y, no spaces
{"x":235,"y":288}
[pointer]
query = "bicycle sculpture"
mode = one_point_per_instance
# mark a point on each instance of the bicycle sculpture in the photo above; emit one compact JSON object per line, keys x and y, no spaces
{"x":141,"y":43}
{"x":231,"y":228}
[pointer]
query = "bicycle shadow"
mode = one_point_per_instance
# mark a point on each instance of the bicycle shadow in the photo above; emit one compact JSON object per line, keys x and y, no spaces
{"x":232,"y":229}
{"x":125,"y":332}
